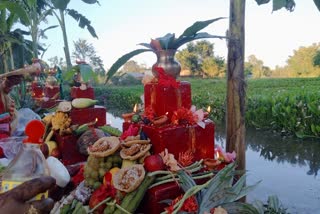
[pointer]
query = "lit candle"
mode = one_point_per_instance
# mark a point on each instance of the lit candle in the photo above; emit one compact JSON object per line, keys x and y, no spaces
{"x":206,"y":114}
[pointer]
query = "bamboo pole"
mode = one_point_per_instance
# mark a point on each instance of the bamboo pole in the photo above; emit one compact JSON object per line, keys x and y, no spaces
{"x":235,"y":114}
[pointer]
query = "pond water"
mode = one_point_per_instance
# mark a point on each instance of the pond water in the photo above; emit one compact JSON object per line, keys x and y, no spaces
{"x":287,"y":168}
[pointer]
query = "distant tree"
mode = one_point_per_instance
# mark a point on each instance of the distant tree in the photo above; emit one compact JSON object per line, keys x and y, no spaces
{"x":61,"y":6}
{"x":57,"y":61}
{"x":316,"y":59}
{"x":199,"y":59}
{"x":188,"y":60}
{"x":255,"y":66}
{"x":83,"y":50}
{"x":132,"y":66}
{"x":301,"y":63}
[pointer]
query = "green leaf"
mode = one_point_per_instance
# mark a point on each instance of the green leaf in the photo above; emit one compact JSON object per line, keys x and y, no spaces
{"x":288,"y":4}
{"x":317,"y":3}
{"x":274,"y":203}
{"x":259,"y":2}
{"x":197,"y":26}
{"x":217,"y":183}
{"x":147,"y":45}
{"x":86,"y":72}
{"x":122,"y":60}
{"x":259,"y":206}
{"x":181,"y":41}
{"x":238,"y":207}
{"x":60,"y":4}
{"x":83,"y":21}
{"x":166,"y":41}
{"x":48,"y":28}
{"x":90,"y":1}
{"x":16,"y":9}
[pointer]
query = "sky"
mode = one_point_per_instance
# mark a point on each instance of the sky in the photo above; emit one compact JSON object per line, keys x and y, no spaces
{"x":122,"y":24}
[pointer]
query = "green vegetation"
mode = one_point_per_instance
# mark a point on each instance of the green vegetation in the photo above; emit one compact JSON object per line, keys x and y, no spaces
{"x":290,"y":106}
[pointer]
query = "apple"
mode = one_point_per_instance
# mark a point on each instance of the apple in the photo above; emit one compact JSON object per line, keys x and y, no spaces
{"x":56,"y":153}
{"x":154,"y":163}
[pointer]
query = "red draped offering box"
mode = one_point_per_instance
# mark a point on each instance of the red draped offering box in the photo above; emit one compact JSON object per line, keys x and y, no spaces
{"x":69,"y":150}
{"x":37,"y":90}
{"x":163,"y":99}
{"x":76,"y":92}
{"x":52,"y":92}
{"x":177,"y":139}
{"x":87,"y":115}
{"x":152,"y":200}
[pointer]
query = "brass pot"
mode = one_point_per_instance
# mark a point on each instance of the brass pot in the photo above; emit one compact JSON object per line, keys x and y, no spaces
{"x":166,"y":60}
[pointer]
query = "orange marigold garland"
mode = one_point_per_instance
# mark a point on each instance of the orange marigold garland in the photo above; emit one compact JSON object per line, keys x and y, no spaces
{"x":183,"y":116}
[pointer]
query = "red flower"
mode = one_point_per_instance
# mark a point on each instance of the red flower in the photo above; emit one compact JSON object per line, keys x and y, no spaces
{"x":100,"y":194}
{"x":131,"y":131}
{"x":183,"y":116}
{"x":190,"y":205}
{"x":78,"y":178}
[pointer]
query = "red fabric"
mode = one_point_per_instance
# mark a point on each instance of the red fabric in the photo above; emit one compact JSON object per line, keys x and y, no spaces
{"x":165,"y":79}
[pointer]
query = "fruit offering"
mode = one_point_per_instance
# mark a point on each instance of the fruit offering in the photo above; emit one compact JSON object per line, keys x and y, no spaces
{"x":96,"y":167}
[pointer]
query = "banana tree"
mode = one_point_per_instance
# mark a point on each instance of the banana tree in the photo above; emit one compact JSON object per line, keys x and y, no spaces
{"x":61,"y":7}
{"x":7,"y":36}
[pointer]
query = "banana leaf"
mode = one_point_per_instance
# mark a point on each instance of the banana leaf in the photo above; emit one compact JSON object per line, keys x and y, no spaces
{"x":15,"y":8}
{"x":183,"y":40}
{"x":122,"y":60}
{"x":197,"y":26}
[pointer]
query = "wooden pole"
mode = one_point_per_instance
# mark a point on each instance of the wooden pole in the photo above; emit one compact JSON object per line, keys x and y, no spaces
{"x":235,"y":114}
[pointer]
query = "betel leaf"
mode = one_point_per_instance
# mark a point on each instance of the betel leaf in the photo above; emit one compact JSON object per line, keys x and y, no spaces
{"x":122,"y":60}
{"x":197,"y":26}
{"x":317,"y":3}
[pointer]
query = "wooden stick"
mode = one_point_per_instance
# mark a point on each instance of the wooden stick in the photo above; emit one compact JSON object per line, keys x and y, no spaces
{"x":22,"y":71}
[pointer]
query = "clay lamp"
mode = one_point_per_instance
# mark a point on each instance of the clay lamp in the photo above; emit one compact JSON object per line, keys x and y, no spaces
{"x":128,"y":116}
{"x":158,"y":121}
{"x":212,"y":164}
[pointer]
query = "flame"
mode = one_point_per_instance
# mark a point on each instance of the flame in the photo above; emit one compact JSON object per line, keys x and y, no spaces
{"x":167,"y":113}
{"x":42,"y":94}
{"x":218,"y":155}
{"x":96,"y":120}
{"x":209,"y":109}
{"x":135,"y":108}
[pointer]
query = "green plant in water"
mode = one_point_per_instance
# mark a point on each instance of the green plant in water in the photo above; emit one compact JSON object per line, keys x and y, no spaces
{"x":167,"y":42}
